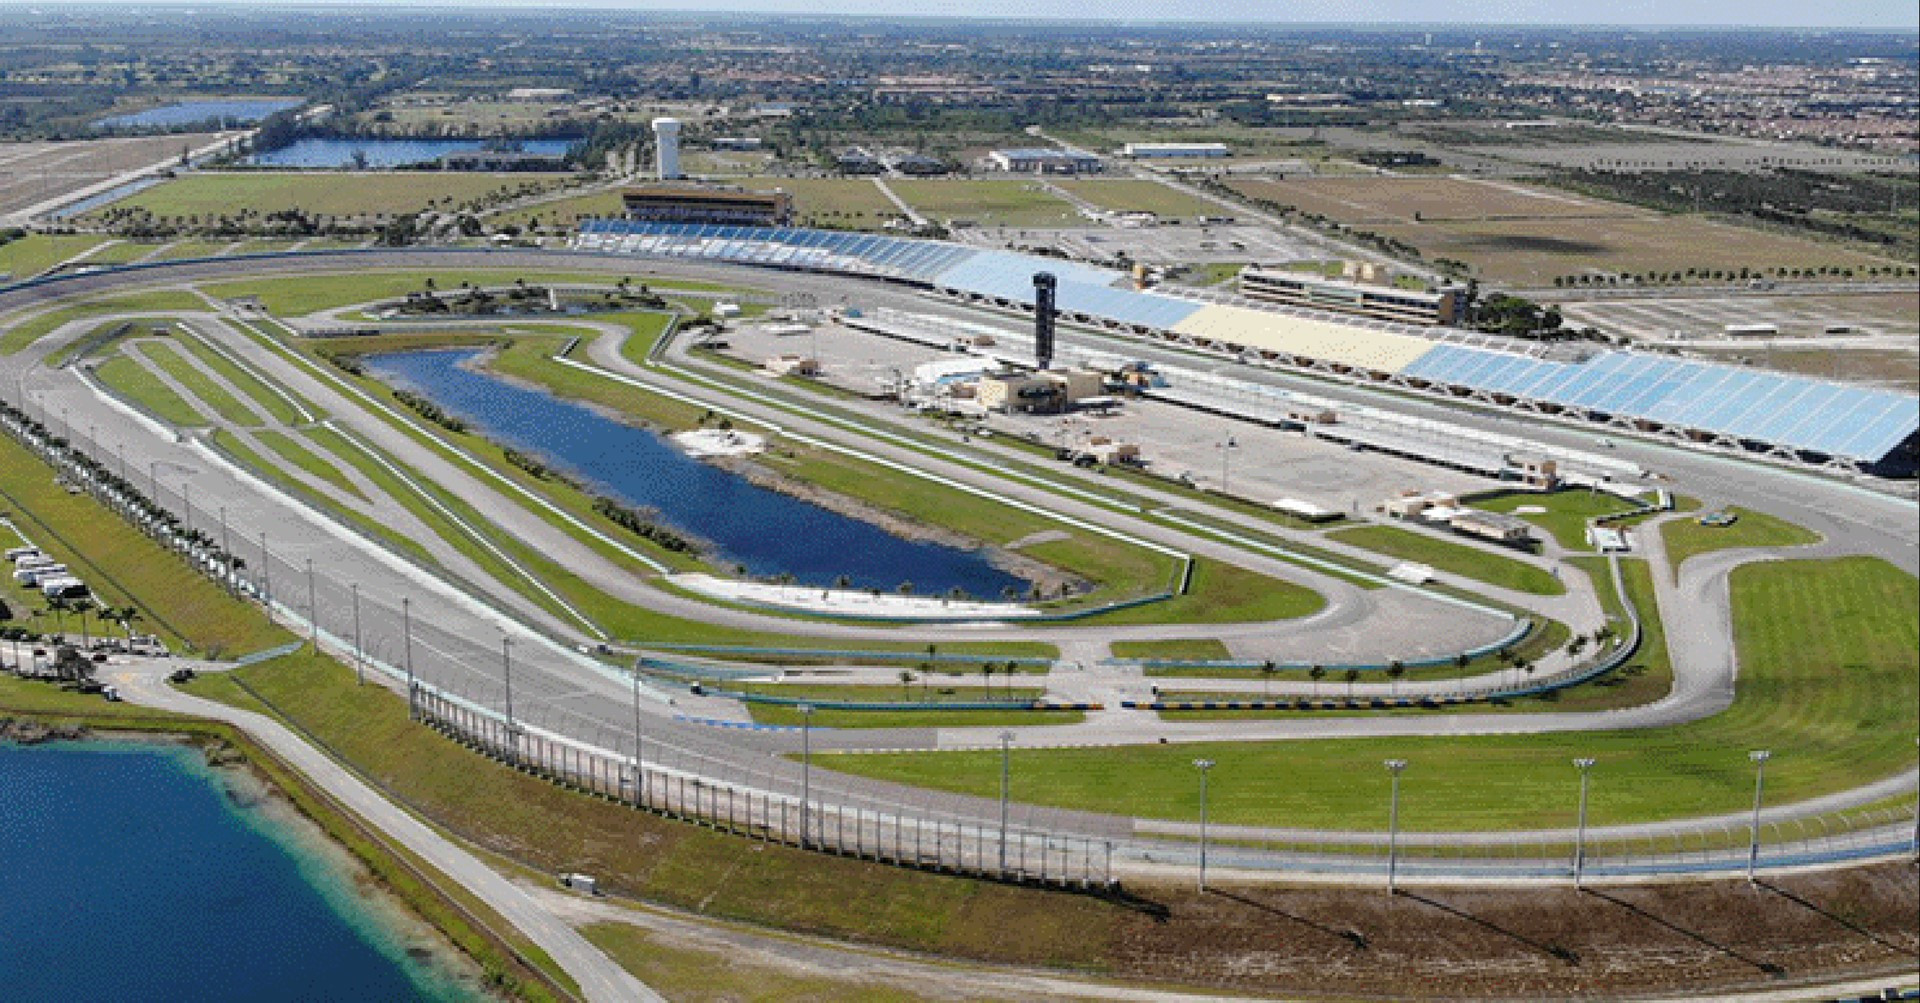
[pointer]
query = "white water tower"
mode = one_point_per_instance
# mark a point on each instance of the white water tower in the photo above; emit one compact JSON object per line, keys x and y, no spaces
{"x":666,"y":139}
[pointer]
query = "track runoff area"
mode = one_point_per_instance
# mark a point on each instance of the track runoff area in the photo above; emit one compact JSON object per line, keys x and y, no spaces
{"x":1221,"y":684}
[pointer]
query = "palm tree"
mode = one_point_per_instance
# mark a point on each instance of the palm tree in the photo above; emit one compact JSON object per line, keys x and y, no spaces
{"x":906,"y":685}
{"x":1267,"y":669}
{"x":1353,"y":676}
{"x":126,"y":616}
{"x":1460,"y":663}
{"x":986,"y":676}
{"x":1396,"y":669}
{"x":82,"y":606}
{"x":59,"y":608}
{"x":1317,"y":673}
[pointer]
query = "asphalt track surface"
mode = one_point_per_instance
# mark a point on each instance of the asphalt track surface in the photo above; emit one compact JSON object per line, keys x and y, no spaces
{"x":557,"y":687}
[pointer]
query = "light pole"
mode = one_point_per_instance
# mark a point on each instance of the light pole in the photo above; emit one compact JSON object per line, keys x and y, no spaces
{"x":1759,"y":757}
{"x":806,"y":772}
{"x":313,"y":611}
{"x":226,"y":549}
{"x":1226,"y":452}
{"x":506,"y":674}
{"x":406,"y":634}
{"x":1394,"y":767}
{"x":1580,"y":838}
{"x":639,"y":749}
{"x":359,"y":655}
{"x":1006,"y":755}
{"x":1203,"y":765}
{"x":266,"y":575}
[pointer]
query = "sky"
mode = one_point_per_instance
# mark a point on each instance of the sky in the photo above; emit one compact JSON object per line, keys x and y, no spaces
{"x":1897,"y":14}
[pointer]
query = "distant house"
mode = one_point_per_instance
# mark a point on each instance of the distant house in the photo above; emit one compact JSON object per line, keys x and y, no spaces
{"x":1194,"y":151}
{"x":858,"y":162}
{"x":919,"y":165}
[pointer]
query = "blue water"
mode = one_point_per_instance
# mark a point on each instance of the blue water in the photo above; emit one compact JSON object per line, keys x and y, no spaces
{"x":385,"y":152}
{"x":237,"y":111}
{"x":768,"y":532}
{"x":128,"y":873}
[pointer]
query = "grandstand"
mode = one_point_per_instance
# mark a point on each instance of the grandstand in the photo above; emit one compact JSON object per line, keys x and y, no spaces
{"x":1784,"y":416}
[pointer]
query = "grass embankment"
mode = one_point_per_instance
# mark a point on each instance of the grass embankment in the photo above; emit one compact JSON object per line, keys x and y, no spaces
{"x":290,"y":449}
{"x":263,"y":397}
{"x":324,"y":193}
{"x":1193,"y":649}
{"x":1454,"y":558}
{"x":36,"y":252}
{"x":681,"y":970}
{"x":196,"y":382}
{"x":126,"y":376}
{"x":123,"y":567}
{"x":1829,"y":681}
{"x":1686,"y":537}
{"x":30,"y":329}
{"x":925,"y":689}
{"x":1566,"y":515}
{"x":429,"y":894}
{"x":296,"y":296}
{"x":100,"y":340}
{"x":553,"y":830}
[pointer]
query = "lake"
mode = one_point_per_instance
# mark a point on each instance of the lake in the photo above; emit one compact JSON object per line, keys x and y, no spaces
{"x":381,"y":152}
{"x":235,"y":111}
{"x":134,"y":871}
{"x":769,"y":532}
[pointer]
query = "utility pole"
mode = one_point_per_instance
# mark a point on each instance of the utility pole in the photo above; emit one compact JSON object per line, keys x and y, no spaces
{"x":1006,"y":742}
{"x":639,"y":746}
{"x":806,"y":773}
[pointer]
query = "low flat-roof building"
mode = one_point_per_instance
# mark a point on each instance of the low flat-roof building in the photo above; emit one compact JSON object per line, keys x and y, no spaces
{"x":1384,"y":302}
{"x":1496,"y":526}
{"x":727,"y":207}
{"x":858,"y":162}
{"x":1174,"y":151}
{"x":1044,"y":160}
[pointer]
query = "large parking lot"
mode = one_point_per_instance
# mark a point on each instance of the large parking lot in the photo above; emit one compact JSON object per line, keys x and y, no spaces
{"x":1265,"y":464}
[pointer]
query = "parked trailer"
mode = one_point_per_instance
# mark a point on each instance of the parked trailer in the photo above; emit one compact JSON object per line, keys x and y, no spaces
{"x":1752,"y":330}
{"x":32,"y":577}
{"x":64,"y":588}
{"x":18,"y":554}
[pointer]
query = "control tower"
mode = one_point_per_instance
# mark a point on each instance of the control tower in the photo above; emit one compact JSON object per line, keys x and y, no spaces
{"x":1043,"y":286}
{"x":666,"y":138}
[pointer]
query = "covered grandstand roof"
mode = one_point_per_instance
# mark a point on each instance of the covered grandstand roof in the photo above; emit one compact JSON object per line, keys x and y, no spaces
{"x":1858,"y":424}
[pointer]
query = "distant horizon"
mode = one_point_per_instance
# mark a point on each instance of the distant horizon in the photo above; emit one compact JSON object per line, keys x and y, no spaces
{"x":1409,"y":15}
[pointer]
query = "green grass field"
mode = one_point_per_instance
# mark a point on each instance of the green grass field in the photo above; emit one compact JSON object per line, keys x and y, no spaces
{"x":124,"y":567}
{"x":1456,"y":558}
{"x":844,"y":203}
{"x":301,"y":295}
{"x":1566,"y":512}
{"x":295,"y":452}
{"x":989,"y":203}
{"x":198,"y":383}
{"x":211,"y":194}
{"x":21,"y":331}
{"x":1829,"y":682}
{"x":924,"y":689}
{"x":1686,"y":537}
{"x":1194,"y":649}
{"x":262,"y":397}
{"x":37,"y":252}
{"x":1141,"y":196}
{"x":135,"y":382}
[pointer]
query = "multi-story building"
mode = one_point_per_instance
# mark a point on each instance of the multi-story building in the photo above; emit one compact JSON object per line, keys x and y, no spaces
{"x":1384,"y":302}
{"x":687,"y":204}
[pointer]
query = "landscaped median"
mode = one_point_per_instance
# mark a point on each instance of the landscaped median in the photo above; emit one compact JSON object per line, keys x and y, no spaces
{"x":1453,"y":558}
{"x":1829,"y":680}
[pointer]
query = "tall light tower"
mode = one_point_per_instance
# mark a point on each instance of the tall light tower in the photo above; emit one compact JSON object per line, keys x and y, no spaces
{"x":666,"y":141}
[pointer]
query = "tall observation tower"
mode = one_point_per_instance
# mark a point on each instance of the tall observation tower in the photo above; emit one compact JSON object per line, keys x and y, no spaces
{"x":1043,"y":288}
{"x":666,"y":138}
